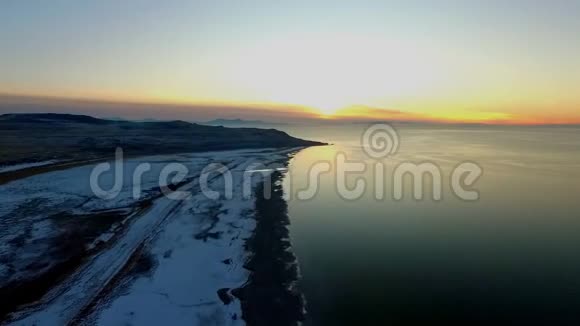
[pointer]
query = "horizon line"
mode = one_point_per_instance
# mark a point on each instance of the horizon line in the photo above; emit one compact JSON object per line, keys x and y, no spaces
{"x":308,"y":114}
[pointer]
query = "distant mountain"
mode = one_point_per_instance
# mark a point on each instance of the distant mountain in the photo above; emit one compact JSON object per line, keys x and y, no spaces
{"x":26,"y":138}
{"x":240,"y":123}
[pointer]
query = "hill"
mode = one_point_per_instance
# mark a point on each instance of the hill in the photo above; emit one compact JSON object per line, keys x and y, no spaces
{"x":29,"y":138}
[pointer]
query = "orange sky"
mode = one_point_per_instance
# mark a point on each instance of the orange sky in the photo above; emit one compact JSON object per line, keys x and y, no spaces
{"x":257,"y":111}
{"x":484,"y":62}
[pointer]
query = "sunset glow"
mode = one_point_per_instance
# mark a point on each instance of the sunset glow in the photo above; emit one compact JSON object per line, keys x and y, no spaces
{"x":450,"y":62}
{"x":304,"y":162}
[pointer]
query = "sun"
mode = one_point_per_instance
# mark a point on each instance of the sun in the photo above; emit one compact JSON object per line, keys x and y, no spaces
{"x":328,"y":111}
{"x":327,"y":105}
{"x":337,"y":71}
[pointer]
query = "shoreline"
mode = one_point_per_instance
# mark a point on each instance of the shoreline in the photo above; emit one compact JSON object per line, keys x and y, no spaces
{"x":271,"y":296}
{"x":235,"y":251}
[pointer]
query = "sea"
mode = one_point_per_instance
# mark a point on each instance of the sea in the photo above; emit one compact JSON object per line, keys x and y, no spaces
{"x":466,"y":224}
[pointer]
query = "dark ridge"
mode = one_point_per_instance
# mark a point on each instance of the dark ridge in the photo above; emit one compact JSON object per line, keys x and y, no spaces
{"x":26,"y":138}
{"x":51,"y":117}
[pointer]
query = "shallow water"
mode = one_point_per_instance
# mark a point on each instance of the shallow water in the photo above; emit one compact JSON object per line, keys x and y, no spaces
{"x":509,"y":257}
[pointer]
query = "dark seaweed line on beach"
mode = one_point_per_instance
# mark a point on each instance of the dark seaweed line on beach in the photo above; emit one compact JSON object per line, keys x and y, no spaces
{"x":270,"y":296}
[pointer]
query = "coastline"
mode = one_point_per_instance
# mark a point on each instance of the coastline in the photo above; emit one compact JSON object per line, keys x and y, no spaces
{"x":221,"y":261}
{"x":270,"y":296}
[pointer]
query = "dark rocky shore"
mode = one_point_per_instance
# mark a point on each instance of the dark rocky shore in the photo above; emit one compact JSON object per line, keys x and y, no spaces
{"x":270,"y":296}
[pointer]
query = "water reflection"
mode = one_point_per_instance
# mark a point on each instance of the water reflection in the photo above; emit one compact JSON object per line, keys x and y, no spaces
{"x":509,"y":257}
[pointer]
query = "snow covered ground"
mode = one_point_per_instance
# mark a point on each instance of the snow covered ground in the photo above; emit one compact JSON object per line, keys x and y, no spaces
{"x":193,"y":249}
{"x":16,"y":167}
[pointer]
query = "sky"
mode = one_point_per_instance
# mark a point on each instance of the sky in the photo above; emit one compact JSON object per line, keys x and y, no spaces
{"x":468,"y":61}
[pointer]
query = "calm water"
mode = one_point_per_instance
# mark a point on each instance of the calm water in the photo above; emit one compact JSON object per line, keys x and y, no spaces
{"x":510,"y":258}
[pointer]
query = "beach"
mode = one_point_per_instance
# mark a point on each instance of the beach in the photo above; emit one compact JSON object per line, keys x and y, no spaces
{"x":196,"y":261}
